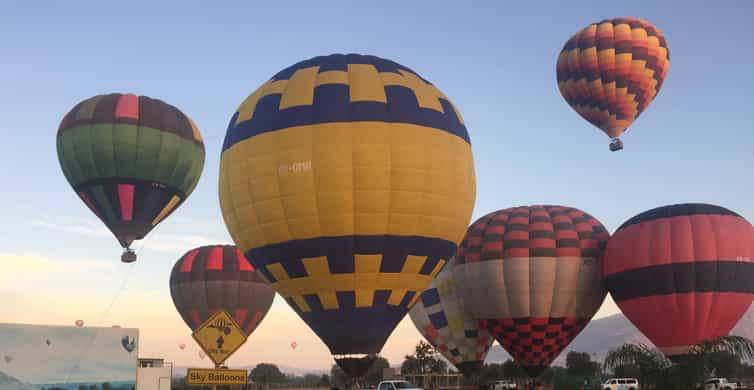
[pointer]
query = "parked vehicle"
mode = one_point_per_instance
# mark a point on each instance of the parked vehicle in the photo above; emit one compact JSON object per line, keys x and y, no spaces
{"x":397,"y":385}
{"x":720,"y":384}
{"x":503,"y":385}
{"x":621,"y":384}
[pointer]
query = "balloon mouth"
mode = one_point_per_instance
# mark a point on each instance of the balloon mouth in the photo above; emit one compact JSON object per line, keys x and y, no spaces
{"x":128,"y":256}
{"x":616,"y":144}
{"x":356,"y":366}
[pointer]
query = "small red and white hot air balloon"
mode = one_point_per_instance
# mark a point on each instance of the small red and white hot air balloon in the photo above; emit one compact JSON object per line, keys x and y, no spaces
{"x":79,"y":323}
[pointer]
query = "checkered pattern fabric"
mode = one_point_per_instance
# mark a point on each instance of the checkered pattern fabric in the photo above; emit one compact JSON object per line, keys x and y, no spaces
{"x":535,"y":231}
{"x":535,"y":341}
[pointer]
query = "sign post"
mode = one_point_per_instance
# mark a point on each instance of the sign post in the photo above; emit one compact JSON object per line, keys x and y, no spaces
{"x":219,"y":337}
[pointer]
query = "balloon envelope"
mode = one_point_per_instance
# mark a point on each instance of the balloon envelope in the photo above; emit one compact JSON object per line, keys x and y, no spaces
{"x":682,"y":273}
{"x":131,"y":159}
{"x":218,"y":277}
{"x":609,"y":72}
{"x":348,"y":181}
{"x":532,"y":275}
{"x":442,"y":318}
{"x":79,"y":323}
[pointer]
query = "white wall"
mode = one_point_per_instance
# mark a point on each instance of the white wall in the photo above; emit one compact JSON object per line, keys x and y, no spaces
{"x":150,"y":378}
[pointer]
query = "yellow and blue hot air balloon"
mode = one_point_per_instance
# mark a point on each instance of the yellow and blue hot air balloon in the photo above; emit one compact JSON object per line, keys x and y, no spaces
{"x":348,"y":180}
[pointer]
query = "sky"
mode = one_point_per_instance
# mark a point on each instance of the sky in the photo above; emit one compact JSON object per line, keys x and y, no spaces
{"x":61,"y":361}
{"x":495,"y":60}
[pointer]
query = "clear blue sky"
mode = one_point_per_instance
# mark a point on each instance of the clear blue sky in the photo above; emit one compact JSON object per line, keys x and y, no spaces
{"x":494,"y":59}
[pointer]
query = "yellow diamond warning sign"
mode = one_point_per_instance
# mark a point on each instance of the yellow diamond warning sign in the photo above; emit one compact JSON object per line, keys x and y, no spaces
{"x":219,"y":336}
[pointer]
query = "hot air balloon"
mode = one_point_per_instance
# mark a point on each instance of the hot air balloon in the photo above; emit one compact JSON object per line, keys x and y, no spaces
{"x":610,"y":71}
{"x":48,"y":342}
{"x":218,"y":277}
{"x":348,"y":181}
{"x":79,"y":323}
{"x":682,"y":273}
{"x":294,"y":345}
{"x":182,"y":346}
{"x":532,"y":275}
{"x":128,"y":343}
{"x":441,"y":317}
{"x":201,"y":355}
{"x":131,"y":159}
{"x":8,"y":359}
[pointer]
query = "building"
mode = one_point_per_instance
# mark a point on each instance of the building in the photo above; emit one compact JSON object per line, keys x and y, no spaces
{"x":153,"y":374}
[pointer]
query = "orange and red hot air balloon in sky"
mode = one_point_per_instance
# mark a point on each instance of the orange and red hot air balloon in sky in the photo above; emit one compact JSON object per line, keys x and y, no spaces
{"x":682,"y":273}
{"x":610,"y":71}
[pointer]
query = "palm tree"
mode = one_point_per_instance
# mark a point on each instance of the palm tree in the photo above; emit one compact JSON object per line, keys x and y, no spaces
{"x":682,"y":372}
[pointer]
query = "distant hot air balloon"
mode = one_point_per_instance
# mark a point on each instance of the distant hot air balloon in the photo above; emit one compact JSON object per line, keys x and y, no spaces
{"x":201,"y":355}
{"x":79,"y":323}
{"x":182,"y":346}
{"x":48,"y":342}
{"x":682,"y":273}
{"x":532,"y":275}
{"x":218,"y":277}
{"x":128,"y":343}
{"x":8,"y":359}
{"x":294,"y":345}
{"x":348,"y":181}
{"x":441,"y":317}
{"x":610,"y":71}
{"x":131,"y":159}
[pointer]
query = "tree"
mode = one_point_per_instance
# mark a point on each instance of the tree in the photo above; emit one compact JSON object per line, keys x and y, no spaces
{"x":683,"y":372}
{"x":338,"y":377}
{"x":425,"y":360}
{"x":267,"y":373}
{"x":511,"y":369}
{"x":580,"y":364}
{"x":374,"y":374}
{"x":724,"y":364}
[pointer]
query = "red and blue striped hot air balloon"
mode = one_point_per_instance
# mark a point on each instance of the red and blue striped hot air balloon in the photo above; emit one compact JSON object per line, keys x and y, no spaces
{"x":682,"y":273}
{"x":218,"y":277}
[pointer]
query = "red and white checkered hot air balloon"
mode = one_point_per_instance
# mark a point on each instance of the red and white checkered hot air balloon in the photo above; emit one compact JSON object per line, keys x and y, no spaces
{"x":532,"y":274}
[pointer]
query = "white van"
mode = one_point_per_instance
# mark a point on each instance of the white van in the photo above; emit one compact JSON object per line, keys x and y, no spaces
{"x":621,"y":384}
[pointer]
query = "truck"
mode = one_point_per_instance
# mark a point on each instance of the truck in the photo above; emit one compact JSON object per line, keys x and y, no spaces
{"x":621,"y":384}
{"x":720,"y":384}
{"x":397,"y":385}
{"x":503,"y":385}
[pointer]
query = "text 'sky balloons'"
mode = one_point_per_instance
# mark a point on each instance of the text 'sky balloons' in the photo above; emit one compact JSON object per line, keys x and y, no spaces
{"x":348,"y":180}
{"x":131,"y":159}
{"x":610,"y":71}
{"x":79,"y":323}
{"x":218,"y":277}
{"x":533,"y":276}
{"x":440,"y":316}
{"x":682,"y":273}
